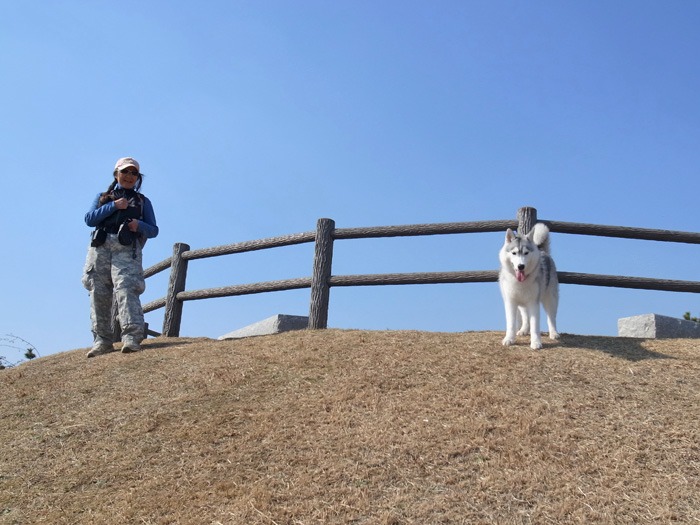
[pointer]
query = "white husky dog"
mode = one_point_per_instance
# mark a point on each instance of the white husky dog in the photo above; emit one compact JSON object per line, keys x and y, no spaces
{"x":527,"y":278}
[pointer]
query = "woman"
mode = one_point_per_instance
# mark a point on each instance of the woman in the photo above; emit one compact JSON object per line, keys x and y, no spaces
{"x":123,"y":219}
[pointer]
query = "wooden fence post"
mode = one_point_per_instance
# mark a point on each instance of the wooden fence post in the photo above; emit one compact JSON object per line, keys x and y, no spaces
{"x":320,"y":287}
{"x":527,"y":218}
{"x":173,"y":307}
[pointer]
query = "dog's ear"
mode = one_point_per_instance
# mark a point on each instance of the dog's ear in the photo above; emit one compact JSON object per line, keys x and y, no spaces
{"x":531,"y":235}
{"x":509,"y":235}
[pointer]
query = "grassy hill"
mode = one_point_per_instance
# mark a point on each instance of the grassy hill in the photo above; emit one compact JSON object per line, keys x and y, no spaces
{"x":355,"y":427}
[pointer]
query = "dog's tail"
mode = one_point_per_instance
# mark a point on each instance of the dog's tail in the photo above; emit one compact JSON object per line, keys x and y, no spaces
{"x":540,"y":236}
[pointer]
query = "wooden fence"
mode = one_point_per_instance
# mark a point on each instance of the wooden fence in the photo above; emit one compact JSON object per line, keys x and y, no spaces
{"x":322,"y":279}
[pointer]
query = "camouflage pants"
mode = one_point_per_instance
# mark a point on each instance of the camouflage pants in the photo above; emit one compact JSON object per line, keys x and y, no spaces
{"x":111,"y":271}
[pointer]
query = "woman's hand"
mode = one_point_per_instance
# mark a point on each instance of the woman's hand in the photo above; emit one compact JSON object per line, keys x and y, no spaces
{"x":121,"y":204}
{"x":133,"y":225}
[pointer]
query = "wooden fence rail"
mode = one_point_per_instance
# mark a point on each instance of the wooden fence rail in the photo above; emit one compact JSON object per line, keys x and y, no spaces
{"x":322,"y":280}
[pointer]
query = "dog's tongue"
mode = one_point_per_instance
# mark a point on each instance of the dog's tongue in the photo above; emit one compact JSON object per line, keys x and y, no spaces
{"x":520,"y":275}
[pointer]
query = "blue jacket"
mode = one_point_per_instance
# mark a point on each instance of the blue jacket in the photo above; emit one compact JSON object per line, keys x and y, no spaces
{"x":147,"y":225}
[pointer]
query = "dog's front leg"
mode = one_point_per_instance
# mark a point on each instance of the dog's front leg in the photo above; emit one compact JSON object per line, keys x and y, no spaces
{"x":511,"y":321}
{"x":534,"y":314}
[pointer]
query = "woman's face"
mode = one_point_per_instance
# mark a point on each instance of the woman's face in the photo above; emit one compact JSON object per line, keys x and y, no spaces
{"x":128,"y":177}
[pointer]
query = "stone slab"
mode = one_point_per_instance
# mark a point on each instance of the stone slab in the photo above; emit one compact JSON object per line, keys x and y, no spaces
{"x":272,"y":325}
{"x":654,"y":326}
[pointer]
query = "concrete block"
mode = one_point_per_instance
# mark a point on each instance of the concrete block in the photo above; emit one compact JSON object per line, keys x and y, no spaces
{"x":272,"y":325}
{"x":654,"y":326}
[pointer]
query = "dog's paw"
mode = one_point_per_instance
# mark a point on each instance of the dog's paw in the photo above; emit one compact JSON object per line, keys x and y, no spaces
{"x":536,"y":345}
{"x":524,"y":331}
{"x":554,"y":335}
{"x":507,"y":341}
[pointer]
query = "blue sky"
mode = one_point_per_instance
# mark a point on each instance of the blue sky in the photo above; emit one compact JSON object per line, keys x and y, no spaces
{"x":253,"y":119}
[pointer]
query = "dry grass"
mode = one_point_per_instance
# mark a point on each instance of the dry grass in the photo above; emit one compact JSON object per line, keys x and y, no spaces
{"x":333,"y":426}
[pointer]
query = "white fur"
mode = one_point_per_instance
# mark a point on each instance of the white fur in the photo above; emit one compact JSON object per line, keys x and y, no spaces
{"x":528,"y":258}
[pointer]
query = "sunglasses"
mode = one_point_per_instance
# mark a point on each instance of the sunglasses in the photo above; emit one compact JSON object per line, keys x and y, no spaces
{"x":129,"y":172}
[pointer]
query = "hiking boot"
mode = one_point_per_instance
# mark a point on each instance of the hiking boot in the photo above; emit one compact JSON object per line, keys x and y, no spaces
{"x":131,"y":347}
{"x":100,"y":349}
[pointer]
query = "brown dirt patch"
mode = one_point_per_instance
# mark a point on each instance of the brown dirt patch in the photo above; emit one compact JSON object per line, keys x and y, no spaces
{"x":355,"y":427}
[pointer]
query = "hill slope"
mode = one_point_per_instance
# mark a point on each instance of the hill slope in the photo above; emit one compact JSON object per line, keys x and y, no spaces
{"x":355,"y":427}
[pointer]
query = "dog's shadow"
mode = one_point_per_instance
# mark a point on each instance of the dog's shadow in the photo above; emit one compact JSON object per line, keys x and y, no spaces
{"x":628,"y":348}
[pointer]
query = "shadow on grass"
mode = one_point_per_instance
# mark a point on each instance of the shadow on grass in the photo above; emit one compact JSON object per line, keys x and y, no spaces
{"x":156,"y":343}
{"x":629,"y":348}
